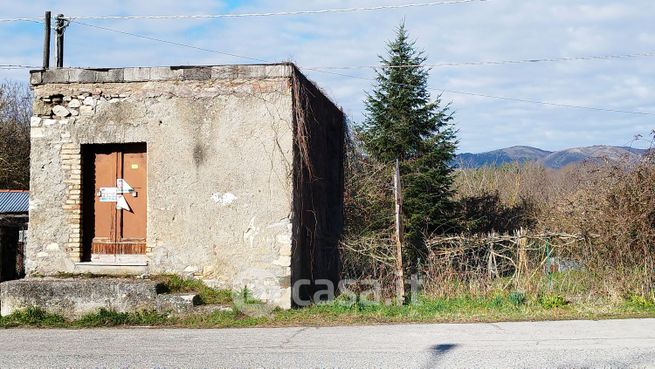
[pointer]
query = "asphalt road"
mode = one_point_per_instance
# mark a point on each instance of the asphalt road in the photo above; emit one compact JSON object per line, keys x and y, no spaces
{"x":611,"y":344}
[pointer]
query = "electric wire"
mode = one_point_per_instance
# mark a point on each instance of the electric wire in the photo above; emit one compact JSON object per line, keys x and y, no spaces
{"x":283,"y":13}
{"x":456,"y":92}
{"x":17,"y":66}
{"x":493,"y":62}
{"x":322,"y":70}
{"x":23,"y":19}
{"x":168,"y":42}
{"x":247,"y":15}
{"x":514,"y":99}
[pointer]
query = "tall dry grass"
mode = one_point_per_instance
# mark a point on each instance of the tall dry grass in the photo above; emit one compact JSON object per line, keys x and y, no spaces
{"x":519,"y":223}
{"x":608,"y":204}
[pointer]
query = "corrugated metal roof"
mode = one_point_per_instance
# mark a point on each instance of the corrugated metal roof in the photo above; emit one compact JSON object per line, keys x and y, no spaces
{"x":14,"y":201}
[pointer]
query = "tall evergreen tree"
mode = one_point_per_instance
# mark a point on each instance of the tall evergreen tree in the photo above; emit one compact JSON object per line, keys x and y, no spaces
{"x":403,"y":122}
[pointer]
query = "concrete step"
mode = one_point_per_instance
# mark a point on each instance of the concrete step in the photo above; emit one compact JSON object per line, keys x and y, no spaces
{"x":208,"y":309}
{"x":135,"y":268}
{"x":74,"y":297}
{"x":177,"y":302}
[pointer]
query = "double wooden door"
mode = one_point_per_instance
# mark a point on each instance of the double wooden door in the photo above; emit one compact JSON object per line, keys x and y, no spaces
{"x":119,"y":205}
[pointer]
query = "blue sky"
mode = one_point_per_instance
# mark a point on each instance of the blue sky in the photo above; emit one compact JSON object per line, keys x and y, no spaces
{"x":478,"y":31}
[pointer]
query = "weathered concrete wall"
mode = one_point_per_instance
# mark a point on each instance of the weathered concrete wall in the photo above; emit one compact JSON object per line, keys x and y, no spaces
{"x":220,"y":155}
{"x":318,"y":190}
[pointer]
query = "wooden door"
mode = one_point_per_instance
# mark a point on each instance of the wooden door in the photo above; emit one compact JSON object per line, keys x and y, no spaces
{"x":119,"y":225}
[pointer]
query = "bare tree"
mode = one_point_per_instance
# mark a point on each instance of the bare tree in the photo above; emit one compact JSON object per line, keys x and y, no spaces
{"x":15,"y":113}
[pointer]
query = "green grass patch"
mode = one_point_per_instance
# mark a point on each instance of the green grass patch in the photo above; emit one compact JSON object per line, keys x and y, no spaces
{"x":208,"y":295}
{"x":517,"y":298}
{"x":32,"y":317}
{"x":636,"y":302}
{"x":110,"y":318}
{"x":498,"y":306}
{"x":552,"y":301}
{"x":224,"y":319}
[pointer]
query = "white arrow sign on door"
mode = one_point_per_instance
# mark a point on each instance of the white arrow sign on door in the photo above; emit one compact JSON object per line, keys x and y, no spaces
{"x":123,"y":186}
{"x":121,"y":203}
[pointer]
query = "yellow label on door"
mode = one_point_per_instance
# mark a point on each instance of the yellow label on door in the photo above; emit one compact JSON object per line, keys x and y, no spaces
{"x":135,"y":166}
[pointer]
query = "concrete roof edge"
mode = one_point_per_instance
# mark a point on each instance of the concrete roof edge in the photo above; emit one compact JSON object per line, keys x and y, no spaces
{"x":167,"y":73}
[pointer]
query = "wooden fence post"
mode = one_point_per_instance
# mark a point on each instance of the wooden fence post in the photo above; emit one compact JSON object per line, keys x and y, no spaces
{"x":46,"y":39}
{"x":400,"y":283}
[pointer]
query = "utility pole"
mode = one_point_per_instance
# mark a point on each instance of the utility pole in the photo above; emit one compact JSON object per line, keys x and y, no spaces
{"x":400,"y":279}
{"x":59,"y":31}
{"x":46,"y":40}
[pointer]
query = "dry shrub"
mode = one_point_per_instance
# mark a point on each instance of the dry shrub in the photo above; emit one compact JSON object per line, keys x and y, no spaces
{"x":520,"y":194}
{"x":367,"y":247}
{"x":597,"y":216}
{"x":610,"y":204}
{"x":484,"y":263}
{"x":15,"y":112}
{"x":615,"y":202}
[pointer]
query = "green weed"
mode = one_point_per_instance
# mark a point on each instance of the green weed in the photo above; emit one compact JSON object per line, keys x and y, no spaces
{"x":110,"y":318}
{"x":552,"y":301}
{"x":517,"y":298}
{"x":640,"y":302}
{"x":223,"y":319}
{"x":32,"y":317}
{"x":208,"y":295}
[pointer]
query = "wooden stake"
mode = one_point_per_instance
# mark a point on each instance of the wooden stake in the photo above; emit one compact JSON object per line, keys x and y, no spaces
{"x":46,"y":40}
{"x":400,"y":283}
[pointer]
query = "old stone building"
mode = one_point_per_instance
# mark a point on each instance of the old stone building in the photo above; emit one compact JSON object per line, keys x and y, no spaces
{"x":229,"y":174}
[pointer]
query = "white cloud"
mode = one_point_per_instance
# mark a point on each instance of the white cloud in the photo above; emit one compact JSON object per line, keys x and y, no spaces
{"x":493,"y":30}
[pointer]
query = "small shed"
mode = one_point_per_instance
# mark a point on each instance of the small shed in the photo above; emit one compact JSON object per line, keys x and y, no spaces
{"x":14,"y":205}
{"x":231,"y":174}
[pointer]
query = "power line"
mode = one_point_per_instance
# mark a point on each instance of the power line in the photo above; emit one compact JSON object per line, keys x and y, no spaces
{"x":492,"y":62}
{"x":380,"y":66}
{"x":275,"y":14}
{"x":169,"y":42}
{"x":17,"y":66}
{"x":538,"y":102}
{"x":23,"y":19}
{"x":545,"y":103}
{"x":246,"y":15}
{"x":456,"y":92}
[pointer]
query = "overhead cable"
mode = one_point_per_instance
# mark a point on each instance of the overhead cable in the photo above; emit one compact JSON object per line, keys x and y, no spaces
{"x":169,"y":42}
{"x":24,"y":19}
{"x":493,"y":62}
{"x":477,"y":94}
{"x":247,"y":15}
{"x":17,"y":66}
{"x":456,"y":92}
{"x":282,"y":13}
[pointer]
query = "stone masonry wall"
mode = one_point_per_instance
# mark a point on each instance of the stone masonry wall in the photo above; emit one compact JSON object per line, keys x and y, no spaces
{"x":220,"y":153}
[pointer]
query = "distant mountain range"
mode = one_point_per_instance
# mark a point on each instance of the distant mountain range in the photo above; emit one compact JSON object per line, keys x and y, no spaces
{"x":550,"y":159}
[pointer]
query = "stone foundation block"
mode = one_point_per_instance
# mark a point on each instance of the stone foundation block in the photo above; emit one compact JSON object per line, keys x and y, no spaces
{"x":177,"y":302}
{"x":74,"y":297}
